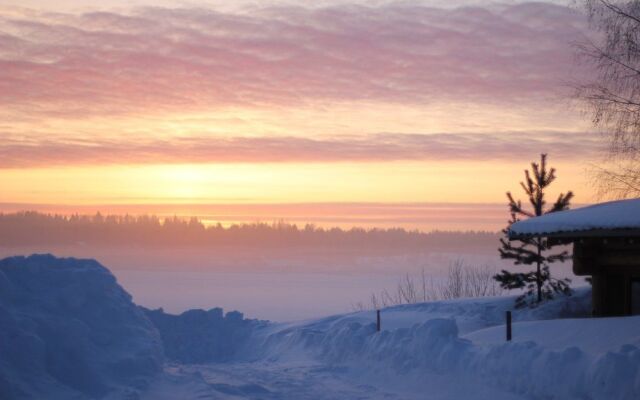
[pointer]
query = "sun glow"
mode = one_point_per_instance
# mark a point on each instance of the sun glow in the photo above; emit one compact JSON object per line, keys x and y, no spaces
{"x":274,"y":183}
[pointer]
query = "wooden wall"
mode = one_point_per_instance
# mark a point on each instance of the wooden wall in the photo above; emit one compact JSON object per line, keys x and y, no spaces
{"x":613,"y":263}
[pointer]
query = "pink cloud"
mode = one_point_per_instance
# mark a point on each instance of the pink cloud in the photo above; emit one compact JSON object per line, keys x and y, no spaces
{"x":365,"y":148}
{"x":158,"y":59}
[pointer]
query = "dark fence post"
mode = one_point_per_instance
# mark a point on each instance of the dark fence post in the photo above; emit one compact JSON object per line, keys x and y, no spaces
{"x":508,"y":326}
{"x":378,"y":321}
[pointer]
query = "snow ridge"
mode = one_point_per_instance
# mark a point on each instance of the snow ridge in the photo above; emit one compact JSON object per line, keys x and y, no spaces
{"x":436,"y":346}
{"x":198,"y":336}
{"x":70,"y":331}
{"x":525,"y":368}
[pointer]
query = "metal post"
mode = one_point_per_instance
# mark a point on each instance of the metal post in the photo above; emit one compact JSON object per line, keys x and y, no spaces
{"x":508,"y":326}
{"x":378,"y":321}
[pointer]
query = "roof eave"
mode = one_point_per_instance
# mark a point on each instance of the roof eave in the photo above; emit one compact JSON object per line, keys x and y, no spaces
{"x":581,"y":234}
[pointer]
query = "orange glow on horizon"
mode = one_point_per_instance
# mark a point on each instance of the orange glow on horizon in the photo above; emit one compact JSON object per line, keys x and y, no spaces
{"x":404,"y":182}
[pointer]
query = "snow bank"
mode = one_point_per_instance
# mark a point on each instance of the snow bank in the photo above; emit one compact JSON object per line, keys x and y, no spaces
{"x":198,"y":336}
{"x":525,"y":367}
{"x":551,"y":359}
{"x":70,"y":331}
{"x":470,"y":314}
{"x":596,"y":335}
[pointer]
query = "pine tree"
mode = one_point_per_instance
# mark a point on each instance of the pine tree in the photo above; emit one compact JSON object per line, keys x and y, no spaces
{"x":538,"y":284}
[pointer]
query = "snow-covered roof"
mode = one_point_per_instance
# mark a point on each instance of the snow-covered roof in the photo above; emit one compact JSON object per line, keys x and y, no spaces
{"x":599,"y":219}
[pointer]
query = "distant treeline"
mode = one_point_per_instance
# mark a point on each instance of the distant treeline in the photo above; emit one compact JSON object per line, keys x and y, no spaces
{"x":35,"y":228}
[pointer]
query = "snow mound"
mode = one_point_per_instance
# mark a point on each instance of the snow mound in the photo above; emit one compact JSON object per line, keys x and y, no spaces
{"x":470,"y":314}
{"x":548,"y":358}
{"x":198,"y":336}
{"x":70,"y":331}
{"x":524,"y":367}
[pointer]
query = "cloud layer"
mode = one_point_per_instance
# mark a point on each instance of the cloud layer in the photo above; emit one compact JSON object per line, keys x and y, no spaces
{"x":157,"y":63}
{"x":160,"y":59}
{"x":368,"y":148}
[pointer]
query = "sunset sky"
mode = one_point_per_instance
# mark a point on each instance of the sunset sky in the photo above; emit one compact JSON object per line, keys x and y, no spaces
{"x":128,"y":104}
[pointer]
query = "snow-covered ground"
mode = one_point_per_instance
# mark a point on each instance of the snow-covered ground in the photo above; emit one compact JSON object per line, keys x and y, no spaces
{"x":439,"y":350}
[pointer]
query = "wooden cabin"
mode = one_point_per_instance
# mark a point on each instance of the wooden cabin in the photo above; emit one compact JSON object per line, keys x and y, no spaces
{"x":606,"y":246}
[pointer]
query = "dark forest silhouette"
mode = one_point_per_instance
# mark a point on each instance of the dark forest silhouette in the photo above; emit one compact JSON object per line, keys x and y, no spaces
{"x":35,"y":228}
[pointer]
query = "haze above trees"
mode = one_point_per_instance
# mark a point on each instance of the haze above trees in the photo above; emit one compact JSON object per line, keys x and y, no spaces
{"x":34,"y":228}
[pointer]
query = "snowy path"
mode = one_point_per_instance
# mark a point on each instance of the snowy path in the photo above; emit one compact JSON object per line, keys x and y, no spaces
{"x":305,"y":381}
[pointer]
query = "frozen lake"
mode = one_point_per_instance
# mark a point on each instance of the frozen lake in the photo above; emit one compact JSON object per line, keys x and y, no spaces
{"x":278,"y":296}
{"x":275,"y":284}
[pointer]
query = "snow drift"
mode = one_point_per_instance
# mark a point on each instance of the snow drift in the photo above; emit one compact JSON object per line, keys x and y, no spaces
{"x":198,"y":336}
{"x":526,"y":367}
{"x":584,"y":358}
{"x":70,"y":331}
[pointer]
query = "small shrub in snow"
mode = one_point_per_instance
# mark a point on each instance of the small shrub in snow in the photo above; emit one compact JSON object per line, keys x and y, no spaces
{"x":461,"y":281}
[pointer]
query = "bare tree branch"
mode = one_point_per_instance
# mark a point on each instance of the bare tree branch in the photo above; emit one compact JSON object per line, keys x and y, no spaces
{"x":613,"y":97}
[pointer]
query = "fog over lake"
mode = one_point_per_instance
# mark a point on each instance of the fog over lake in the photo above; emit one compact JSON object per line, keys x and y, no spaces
{"x":263,"y":283}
